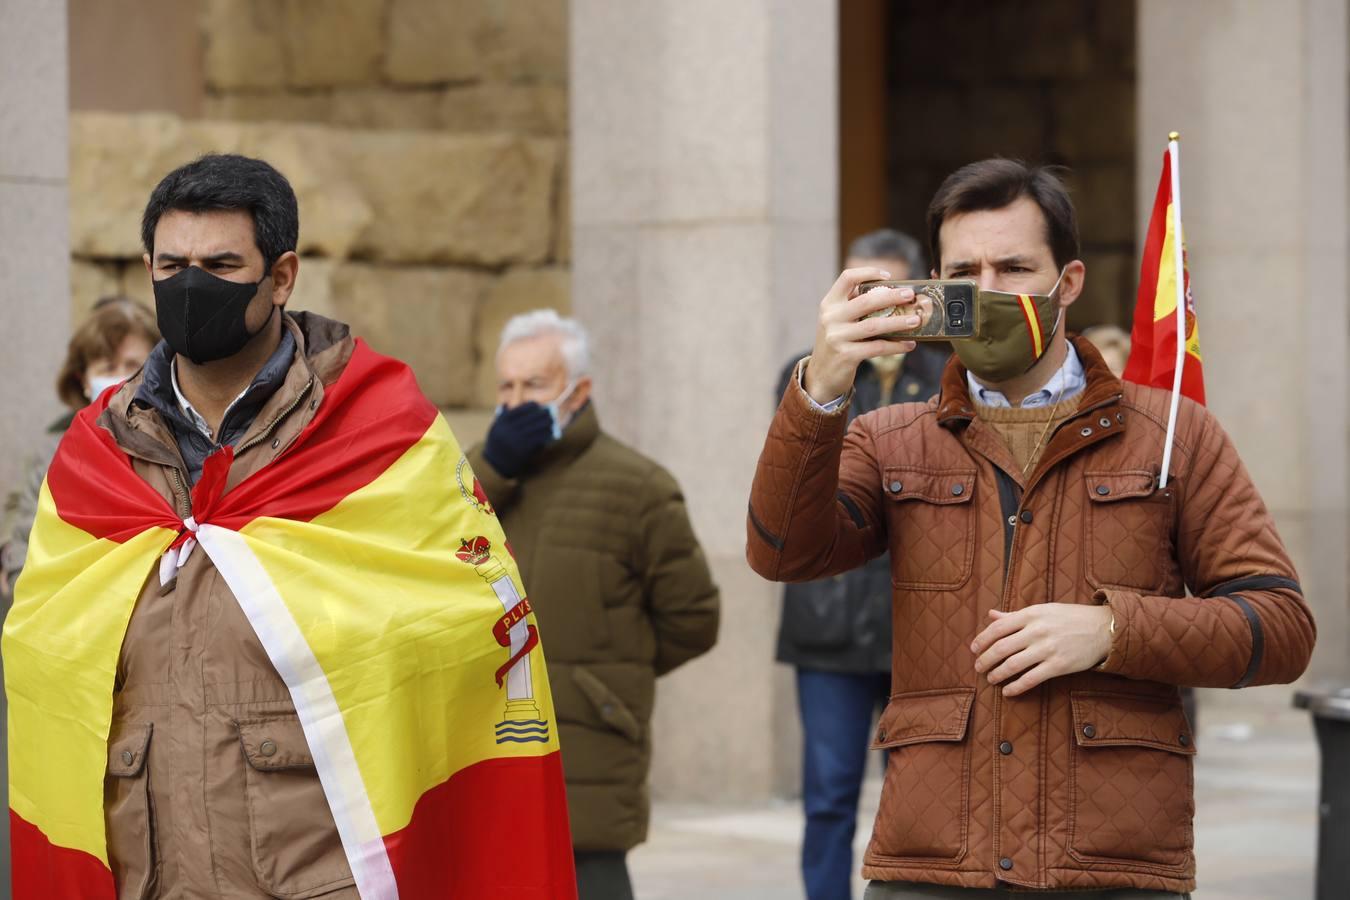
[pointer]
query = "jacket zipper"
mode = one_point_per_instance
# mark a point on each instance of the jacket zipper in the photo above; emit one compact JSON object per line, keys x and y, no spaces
{"x":182,"y":495}
{"x":295,"y":404}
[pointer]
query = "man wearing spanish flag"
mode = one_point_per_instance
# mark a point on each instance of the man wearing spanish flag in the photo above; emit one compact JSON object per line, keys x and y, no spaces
{"x":264,"y":646}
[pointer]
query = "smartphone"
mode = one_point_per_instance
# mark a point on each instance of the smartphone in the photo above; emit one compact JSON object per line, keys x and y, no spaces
{"x":955,"y":312}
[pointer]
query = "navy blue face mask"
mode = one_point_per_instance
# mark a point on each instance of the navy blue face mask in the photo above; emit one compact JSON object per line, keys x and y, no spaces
{"x":203,"y":317}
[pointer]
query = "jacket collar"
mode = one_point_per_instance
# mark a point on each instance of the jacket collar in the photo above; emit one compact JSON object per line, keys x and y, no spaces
{"x":956,"y":408}
{"x":579,"y":434}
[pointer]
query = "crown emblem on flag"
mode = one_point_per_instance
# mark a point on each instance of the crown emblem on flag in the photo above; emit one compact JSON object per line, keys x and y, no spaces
{"x":474,"y":552}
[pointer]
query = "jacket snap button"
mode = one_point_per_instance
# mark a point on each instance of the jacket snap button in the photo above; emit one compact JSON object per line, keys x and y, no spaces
{"x":314,"y":404}
{"x":267,"y":748}
{"x":1103,"y":490}
{"x":1120,"y":417}
{"x":881,"y":735}
{"x":1005,"y":864}
{"x":1184,"y":740}
{"x":1085,"y":432}
{"x":1005,"y":748}
{"x":1012,"y":520}
{"x":896,"y":487}
{"x":128,"y":757}
{"x":911,"y":389}
{"x":1089,"y":731}
{"x":276,"y":442}
{"x":958,"y":490}
{"x":1104,"y":422}
{"x":1026,"y":516}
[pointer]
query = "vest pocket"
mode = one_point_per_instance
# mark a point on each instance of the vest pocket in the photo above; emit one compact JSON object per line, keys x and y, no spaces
{"x":925,"y":799}
{"x":931,"y":525}
{"x":133,"y":848}
{"x":1131,"y":780}
{"x":296,"y":849}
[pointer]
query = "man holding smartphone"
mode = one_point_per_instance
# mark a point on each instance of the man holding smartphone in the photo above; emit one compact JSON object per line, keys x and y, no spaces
{"x":1042,"y":625}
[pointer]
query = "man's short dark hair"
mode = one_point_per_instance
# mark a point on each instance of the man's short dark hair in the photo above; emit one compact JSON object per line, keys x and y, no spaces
{"x":887,"y":243}
{"x":996,"y":183}
{"x":225,"y":181}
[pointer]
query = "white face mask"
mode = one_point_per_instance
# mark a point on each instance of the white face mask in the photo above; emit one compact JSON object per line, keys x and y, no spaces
{"x":100,"y":383}
{"x":555,"y":411}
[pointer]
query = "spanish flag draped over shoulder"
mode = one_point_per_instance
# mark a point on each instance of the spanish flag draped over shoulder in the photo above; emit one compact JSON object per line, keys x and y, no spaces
{"x":376,"y":576}
{"x":1153,"y":340}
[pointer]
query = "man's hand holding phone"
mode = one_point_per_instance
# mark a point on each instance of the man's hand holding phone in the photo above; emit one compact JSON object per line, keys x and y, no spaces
{"x":844,"y":339}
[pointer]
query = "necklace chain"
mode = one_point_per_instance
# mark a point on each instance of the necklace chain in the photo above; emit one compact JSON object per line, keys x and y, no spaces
{"x":1035,"y":451}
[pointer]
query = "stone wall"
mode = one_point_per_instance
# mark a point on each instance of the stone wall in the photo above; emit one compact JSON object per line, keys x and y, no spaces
{"x":427,"y":144}
{"x":1048,"y":81}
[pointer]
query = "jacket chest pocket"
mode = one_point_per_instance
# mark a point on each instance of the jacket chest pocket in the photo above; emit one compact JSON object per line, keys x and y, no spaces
{"x":1131,"y":780}
{"x":133,"y":848}
{"x":1128,"y":526}
{"x":296,"y":849}
{"x":930,"y":518}
{"x":925,"y":799}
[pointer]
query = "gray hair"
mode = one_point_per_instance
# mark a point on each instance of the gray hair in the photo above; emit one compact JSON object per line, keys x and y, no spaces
{"x":887,"y":243}
{"x":574,"y":342}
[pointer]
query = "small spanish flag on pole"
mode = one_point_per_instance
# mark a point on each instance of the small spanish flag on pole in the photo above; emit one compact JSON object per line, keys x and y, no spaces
{"x":1165,"y":345}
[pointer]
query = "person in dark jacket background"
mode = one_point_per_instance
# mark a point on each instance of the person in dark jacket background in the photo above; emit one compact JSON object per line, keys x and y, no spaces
{"x":837,"y":632}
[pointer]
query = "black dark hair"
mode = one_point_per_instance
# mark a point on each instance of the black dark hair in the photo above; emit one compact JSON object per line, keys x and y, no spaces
{"x":223,"y":181}
{"x":996,"y":183}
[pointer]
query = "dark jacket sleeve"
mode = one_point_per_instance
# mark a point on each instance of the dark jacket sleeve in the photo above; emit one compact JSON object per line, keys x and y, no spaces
{"x":500,"y":490}
{"x":682,"y":600}
{"x":1247,"y":622}
{"x":815,"y":505}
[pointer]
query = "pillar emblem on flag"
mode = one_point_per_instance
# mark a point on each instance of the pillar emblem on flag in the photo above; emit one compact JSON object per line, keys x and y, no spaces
{"x":521,"y":722}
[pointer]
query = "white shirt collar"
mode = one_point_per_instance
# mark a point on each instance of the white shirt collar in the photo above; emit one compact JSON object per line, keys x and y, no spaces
{"x":193,"y":416}
{"x":1068,"y":381}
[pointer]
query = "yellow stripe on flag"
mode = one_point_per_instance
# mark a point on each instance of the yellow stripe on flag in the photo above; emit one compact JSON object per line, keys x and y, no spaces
{"x":59,"y":674}
{"x":382,"y":563}
{"x":1165,"y":298}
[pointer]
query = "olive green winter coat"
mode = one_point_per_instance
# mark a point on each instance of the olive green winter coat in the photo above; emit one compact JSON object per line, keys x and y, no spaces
{"x":622,"y":593}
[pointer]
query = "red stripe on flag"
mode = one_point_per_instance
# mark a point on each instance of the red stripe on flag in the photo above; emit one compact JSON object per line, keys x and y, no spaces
{"x":368,"y":419}
{"x":43,"y":871}
{"x":1139,"y":367}
{"x":496,"y":829}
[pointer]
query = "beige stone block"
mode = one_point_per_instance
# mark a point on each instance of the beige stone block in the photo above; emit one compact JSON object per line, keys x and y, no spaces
{"x":314,"y":287}
{"x":244,"y":44}
{"x":385,"y":108}
{"x":470,"y":426}
{"x":530,"y":108}
{"x":115,"y":162}
{"x":525,"y":39}
{"x":333,"y":42}
{"x":562,"y":220}
{"x":421,"y":315}
{"x":134,"y":282}
{"x":435,"y":198}
{"x":270,"y":106}
{"x":91,"y":281}
{"x":334,"y":211}
{"x":518,"y":291}
{"x":433,"y":41}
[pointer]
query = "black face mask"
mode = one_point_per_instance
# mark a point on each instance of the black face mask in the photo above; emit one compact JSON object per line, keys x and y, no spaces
{"x":203,"y":317}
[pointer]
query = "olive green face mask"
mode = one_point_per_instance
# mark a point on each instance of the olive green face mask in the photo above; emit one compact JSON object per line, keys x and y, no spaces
{"x":1015,"y":332}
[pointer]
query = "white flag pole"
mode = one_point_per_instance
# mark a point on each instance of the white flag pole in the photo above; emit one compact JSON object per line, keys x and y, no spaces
{"x":1174,"y":154}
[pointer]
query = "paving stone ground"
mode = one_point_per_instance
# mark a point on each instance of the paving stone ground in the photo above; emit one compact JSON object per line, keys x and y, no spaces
{"x":1256,"y":822}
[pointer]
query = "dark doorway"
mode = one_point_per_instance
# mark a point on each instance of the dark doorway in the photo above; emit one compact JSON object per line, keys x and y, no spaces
{"x":929,"y":85}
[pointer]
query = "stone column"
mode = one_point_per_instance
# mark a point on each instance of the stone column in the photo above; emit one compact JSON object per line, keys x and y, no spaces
{"x":1258,"y":91}
{"x":704,"y":173}
{"x":34,"y":243}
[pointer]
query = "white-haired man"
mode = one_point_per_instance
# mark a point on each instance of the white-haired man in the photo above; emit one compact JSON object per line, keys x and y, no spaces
{"x":615,"y":576}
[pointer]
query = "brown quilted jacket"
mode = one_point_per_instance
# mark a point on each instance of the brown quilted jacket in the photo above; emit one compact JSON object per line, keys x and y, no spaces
{"x":1084,"y":782}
